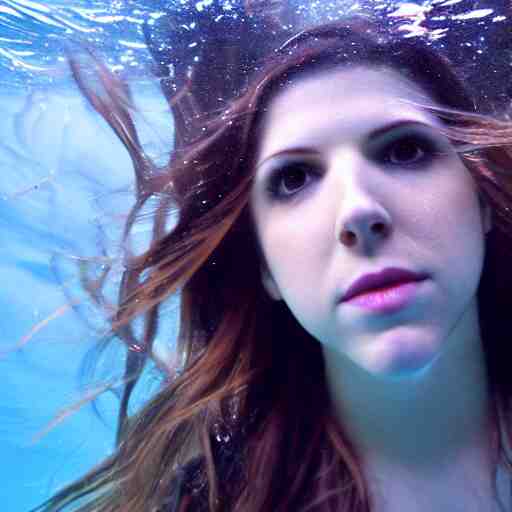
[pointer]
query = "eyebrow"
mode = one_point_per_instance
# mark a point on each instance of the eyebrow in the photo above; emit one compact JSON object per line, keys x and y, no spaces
{"x":373,"y":134}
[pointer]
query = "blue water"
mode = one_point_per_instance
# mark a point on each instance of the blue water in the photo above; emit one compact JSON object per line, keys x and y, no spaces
{"x":66,"y":184}
{"x":63,"y":180}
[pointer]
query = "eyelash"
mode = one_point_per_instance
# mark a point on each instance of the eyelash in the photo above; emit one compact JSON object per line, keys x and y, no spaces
{"x":429,"y":150}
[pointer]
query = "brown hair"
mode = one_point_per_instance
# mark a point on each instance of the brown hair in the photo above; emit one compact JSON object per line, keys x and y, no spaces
{"x":249,"y":419}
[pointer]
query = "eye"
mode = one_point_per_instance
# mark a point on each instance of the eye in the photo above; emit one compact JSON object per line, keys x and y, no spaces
{"x":289,"y":179}
{"x":409,"y":150}
{"x":406,"y":151}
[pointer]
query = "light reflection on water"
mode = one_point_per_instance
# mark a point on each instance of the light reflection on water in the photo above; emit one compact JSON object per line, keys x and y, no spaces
{"x":35,"y":36}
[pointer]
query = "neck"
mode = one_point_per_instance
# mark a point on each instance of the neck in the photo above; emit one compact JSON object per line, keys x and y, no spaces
{"x":426,"y":425}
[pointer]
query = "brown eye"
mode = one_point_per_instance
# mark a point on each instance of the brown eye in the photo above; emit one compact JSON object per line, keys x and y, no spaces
{"x":410,"y":150}
{"x":406,"y":151}
{"x":288,"y":180}
{"x":293,"y":177}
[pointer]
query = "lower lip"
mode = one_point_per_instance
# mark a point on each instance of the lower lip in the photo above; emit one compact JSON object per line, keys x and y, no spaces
{"x":386,"y":300}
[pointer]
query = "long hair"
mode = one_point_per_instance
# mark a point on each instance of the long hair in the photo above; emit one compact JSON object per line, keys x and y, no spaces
{"x":243,"y":421}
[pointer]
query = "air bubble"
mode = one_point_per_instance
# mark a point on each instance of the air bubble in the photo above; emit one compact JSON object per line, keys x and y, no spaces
{"x":223,"y":437}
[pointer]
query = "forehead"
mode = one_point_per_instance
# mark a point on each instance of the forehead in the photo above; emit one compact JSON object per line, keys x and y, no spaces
{"x":341,"y":103}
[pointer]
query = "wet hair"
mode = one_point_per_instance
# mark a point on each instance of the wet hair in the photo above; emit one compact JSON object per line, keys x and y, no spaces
{"x":242,"y":422}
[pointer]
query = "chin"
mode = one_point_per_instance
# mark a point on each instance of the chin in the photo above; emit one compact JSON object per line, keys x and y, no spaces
{"x":402,"y":359}
{"x":412,"y":369}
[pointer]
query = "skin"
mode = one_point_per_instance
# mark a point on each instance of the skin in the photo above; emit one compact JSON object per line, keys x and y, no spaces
{"x":410,"y":386}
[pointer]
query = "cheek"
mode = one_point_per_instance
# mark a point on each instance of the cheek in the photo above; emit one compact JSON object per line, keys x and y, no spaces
{"x":454,"y":232}
{"x":296,"y":246}
{"x":463,"y":215}
{"x":297,"y":253}
{"x":444,"y":208}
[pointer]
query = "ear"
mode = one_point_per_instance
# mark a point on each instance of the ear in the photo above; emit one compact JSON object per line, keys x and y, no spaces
{"x":269,"y":284}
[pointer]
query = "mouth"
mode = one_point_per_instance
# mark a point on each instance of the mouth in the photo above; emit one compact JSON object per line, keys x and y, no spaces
{"x":386,"y":300}
{"x":388,"y":289}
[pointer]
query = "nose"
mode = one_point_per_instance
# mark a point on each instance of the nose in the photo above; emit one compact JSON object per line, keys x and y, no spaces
{"x":363,"y":220}
{"x":364,"y":228}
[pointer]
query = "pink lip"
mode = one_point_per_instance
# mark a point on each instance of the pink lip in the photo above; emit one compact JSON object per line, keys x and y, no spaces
{"x":386,"y":290}
{"x":388,"y":299}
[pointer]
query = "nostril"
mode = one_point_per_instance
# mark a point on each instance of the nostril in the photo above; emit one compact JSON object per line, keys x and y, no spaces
{"x":379,"y":228}
{"x":348,"y":237}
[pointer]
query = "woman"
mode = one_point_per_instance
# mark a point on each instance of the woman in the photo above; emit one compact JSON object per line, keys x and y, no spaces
{"x":341,"y":250}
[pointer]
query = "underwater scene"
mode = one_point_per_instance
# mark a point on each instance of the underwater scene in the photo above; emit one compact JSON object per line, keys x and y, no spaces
{"x":67,"y":186}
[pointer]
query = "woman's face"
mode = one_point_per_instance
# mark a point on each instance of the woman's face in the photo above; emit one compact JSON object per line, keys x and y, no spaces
{"x":351,"y":180}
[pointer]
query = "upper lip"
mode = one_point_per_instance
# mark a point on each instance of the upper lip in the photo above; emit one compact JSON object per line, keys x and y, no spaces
{"x":385,"y":277}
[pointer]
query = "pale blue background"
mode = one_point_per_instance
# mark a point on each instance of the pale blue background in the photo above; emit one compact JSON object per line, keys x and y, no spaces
{"x":53,"y":133}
